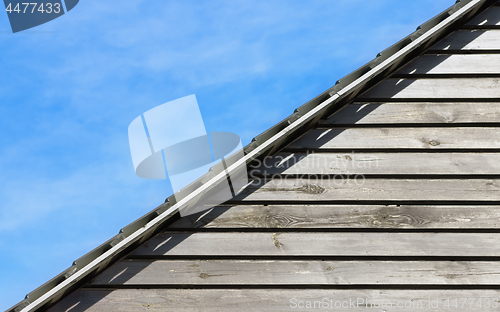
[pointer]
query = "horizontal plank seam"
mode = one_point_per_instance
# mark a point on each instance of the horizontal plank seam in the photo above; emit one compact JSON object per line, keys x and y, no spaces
{"x":362,"y":202}
{"x":479,"y":27}
{"x":315,"y":257}
{"x":390,"y":150}
{"x":410,"y":125}
{"x":291,"y":286}
{"x":444,"y":76}
{"x":342,"y":175}
{"x":332,"y":230}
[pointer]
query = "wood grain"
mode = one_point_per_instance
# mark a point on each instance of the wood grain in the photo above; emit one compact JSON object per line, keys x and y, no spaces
{"x":415,"y":113}
{"x":440,"y":88}
{"x":355,"y":188}
{"x":260,"y":300}
{"x":378,"y":163}
{"x":276,"y":272}
{"x":470,"y":40}
{"x":407,"y":138}
{"x":321,"y":244}
{"x":345,"y":216}
{"x":454,"y":64}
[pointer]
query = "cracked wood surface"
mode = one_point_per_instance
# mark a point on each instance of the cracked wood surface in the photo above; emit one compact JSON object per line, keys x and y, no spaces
{"x":316,"y":188}
{"x":321,"y":244}
{"x":344,"y":216}
{"x":310,"y":272}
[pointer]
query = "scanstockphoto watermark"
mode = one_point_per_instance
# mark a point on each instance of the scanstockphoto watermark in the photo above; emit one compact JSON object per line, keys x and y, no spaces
{"x":355,"y":303}
{"x":447,"y":304}
{"x":311,"y":168}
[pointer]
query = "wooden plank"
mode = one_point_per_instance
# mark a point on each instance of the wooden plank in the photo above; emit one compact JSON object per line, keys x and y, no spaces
{"x":439,"y":88}
{"x":274,"y":300}
{"x":402,"y":138}
{"x":489,"y":17}
{"x":469,"y":40}
{"x":344,"y":188}
{"x":321,"y":244}
{"x":414,"y":113}
{"x":276,"y":272}
{"x":454,"y":64}
{"x":345,"y":216}
{"x":378,"y":163}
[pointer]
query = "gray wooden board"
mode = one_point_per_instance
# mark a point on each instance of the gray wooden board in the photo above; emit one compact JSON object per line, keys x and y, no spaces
{"x":414,"y":113}
{"x":273,"y":300}
{"x":454,"y":64}
{"x":342,"y":188}
{"x":313,"y":272}
{"x":414,"y":138}
{"x":345,"y":216}
{"x":436,"y":88}
{"x":322,"y":244}
{"x":469,"y":40}
{"x":490,"y":16}
{"x":378,"y":163}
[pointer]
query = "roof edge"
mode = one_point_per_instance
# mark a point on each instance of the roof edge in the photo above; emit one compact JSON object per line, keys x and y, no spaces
{"x":270,"y":141}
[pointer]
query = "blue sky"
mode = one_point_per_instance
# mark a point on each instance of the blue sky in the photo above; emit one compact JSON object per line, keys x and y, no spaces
{"x":70,"y":88}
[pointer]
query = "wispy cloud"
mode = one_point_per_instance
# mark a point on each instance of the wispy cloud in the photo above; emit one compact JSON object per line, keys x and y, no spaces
{"x":69,"y":95}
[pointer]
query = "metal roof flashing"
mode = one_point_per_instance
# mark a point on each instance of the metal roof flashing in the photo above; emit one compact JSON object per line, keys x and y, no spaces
{"x":269,"y":142}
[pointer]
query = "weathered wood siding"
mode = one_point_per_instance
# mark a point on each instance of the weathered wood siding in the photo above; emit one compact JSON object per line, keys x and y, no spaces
{"x":435,"y":88}
{"x":453,"y":64}
{"x":347,"y":216}
{"x":469,"y":40}
{"x":309,"y":272}
{"x":415,"y":113}
{"x":393,"y":199}
{"x":419,"y":138}
{"x":269,"y":300}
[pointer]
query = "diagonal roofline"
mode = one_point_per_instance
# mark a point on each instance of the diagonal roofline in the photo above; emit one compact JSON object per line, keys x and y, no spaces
{"x":267,"y":143}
